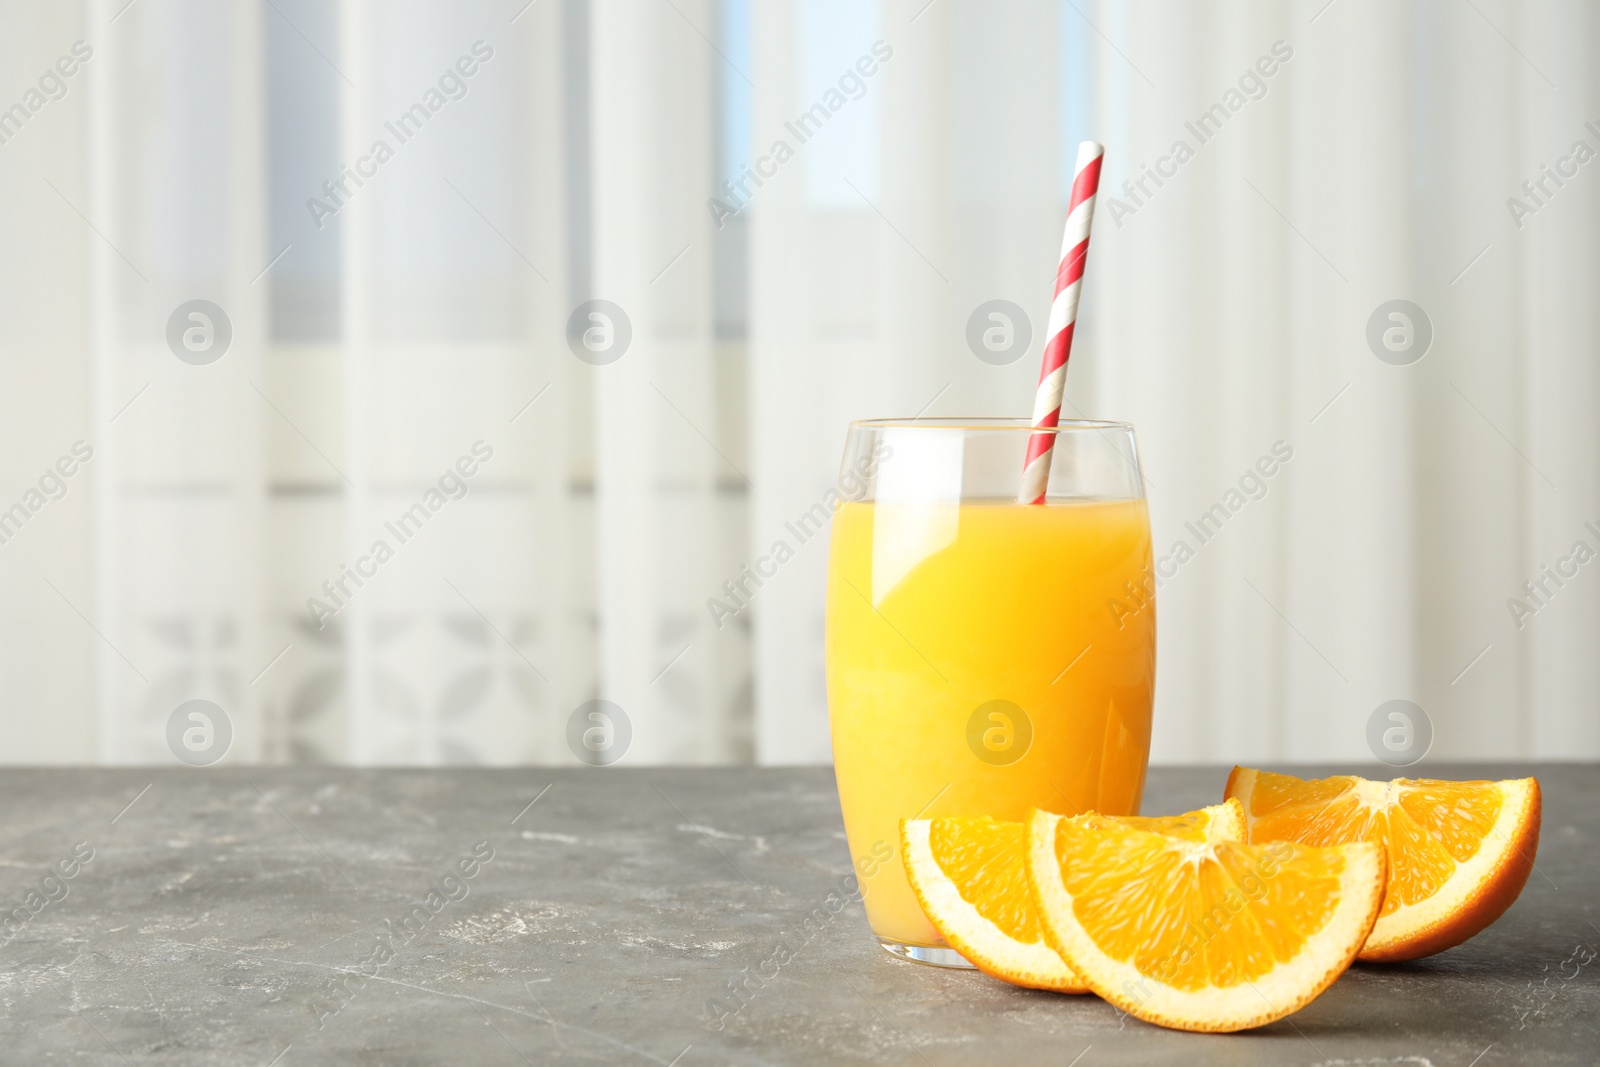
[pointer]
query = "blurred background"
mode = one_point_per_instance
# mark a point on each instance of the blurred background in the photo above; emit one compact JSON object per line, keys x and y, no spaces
{"x":1362,"y":232}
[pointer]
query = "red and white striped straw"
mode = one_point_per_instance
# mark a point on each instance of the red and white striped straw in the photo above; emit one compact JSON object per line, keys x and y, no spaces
{"x":1063,"y":315}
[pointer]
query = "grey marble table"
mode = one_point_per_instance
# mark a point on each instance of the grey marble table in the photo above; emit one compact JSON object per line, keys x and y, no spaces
{"x":298,"y":916}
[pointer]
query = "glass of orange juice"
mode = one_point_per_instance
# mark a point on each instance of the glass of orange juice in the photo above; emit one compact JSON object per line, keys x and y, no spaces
{"x":984,"y":657}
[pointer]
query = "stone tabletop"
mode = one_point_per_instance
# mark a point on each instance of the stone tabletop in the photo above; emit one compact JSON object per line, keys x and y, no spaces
{"x":319,"y":916}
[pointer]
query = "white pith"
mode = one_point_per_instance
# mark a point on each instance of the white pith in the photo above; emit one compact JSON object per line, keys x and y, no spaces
{"x":1288,"y":986}
{"x":980,"y":940}
{"x":1376,"y":794}
{"x":1411,"y":920}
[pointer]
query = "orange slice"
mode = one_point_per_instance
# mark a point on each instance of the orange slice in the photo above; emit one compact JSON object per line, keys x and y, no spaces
{"x":971,"y":878}
{"x":1459,"y":852}
{"x":1195,"y":933}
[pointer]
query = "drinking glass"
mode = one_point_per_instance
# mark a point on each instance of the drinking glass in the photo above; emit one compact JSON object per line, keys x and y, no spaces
{"x":984,"y":657}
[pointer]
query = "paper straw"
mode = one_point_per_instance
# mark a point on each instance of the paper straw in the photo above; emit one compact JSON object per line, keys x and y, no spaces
{"x":1063,"y":315}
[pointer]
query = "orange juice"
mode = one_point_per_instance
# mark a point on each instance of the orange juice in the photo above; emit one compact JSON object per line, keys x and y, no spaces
{"x":983,"y":659}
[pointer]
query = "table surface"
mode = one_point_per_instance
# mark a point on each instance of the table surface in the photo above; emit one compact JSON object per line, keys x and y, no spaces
{"x":227,"y":916}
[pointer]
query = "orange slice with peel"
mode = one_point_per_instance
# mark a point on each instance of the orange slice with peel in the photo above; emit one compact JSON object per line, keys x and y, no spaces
{"x":971,"y":878}
{"x":1459,"y":852}
{"x":1200,"y":934}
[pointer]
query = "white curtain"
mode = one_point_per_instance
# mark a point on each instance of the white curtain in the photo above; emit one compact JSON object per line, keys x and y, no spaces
{"x":1336,"y":157}
{"x":1233,"y":311}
